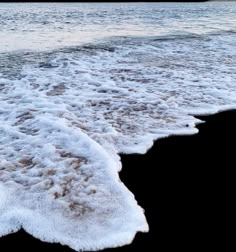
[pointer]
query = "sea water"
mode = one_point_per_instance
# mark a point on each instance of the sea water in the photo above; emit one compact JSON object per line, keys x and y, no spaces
{"x":81,"y":83}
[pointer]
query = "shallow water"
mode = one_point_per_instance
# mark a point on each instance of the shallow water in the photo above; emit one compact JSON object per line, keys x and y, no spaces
{"x":81,"y":83}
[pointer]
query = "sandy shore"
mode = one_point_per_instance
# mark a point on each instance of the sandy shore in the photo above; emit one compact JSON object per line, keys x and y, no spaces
{"x":185,"y":185}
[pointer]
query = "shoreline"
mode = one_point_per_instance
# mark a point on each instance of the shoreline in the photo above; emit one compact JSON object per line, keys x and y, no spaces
{"x":185,"y":185}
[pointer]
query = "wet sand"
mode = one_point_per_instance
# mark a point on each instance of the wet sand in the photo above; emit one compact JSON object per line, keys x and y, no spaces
{"x":184,"y":183}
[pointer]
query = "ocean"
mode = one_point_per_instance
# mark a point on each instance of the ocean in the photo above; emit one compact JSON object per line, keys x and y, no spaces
{"x":81,"y":83}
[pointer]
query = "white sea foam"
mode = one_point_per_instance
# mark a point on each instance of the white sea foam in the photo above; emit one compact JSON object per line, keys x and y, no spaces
{"x":67,"y":113}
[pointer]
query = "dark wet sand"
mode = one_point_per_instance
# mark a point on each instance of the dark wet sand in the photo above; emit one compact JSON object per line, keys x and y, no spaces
{"x":184,"y":183}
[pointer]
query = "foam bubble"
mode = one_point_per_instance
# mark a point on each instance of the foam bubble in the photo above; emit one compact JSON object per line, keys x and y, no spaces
{"x":3,"y":197}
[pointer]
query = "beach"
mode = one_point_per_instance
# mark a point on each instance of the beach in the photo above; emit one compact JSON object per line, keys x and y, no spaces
{"x":86,"y":82}
{"x":185,"y":185}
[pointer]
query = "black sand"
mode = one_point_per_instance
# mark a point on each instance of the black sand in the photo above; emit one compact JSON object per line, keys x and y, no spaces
{"x":184,"y":183}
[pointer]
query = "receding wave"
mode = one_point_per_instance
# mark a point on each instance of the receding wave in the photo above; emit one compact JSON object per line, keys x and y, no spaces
{"x":67,"y":113}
